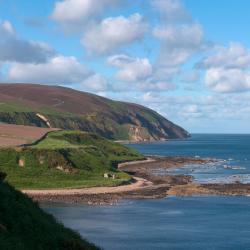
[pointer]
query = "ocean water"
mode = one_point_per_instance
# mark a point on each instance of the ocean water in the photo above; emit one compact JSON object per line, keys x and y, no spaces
{"x":173,"y":223}
{"x":231,"y":151}
{"x":181,"y":223}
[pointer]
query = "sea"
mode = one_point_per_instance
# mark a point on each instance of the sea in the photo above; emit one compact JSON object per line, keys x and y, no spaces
{"x":181,"y":223}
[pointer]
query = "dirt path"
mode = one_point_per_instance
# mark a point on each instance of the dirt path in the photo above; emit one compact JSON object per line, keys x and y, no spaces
{"x":138,"y":184}
{"x":145,"y":185}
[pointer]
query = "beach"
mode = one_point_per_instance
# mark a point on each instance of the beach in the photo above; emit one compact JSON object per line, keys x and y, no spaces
{"x":144,"y":184}
{"x":191,"y":204}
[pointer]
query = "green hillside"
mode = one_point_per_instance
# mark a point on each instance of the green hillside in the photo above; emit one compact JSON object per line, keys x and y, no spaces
{"x":66,"y":159}
{"x":65,"y":108}
{"x":24,"y":226}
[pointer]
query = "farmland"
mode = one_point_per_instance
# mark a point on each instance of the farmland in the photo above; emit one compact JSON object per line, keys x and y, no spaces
{"x":15,"y":135}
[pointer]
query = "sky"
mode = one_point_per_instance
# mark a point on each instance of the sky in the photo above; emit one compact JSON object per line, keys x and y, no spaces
{"x":189,"y":60}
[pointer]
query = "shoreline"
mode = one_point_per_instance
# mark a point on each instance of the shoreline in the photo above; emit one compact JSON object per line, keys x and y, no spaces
{"x":145,"y":184}
{"x":137,"y":183}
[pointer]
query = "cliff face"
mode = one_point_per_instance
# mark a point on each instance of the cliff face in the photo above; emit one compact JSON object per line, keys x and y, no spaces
{"x":46,"y":106}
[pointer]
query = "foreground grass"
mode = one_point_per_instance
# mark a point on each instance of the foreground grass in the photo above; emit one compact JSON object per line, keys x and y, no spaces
{"x":39,"y":178}
{"x":66,"y":159}
{"x":24,"y":226}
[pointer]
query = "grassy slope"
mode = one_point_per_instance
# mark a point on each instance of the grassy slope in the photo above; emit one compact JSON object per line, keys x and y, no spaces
{"x":82,"y":157}
{"x":59,"y":119}
{"x":24,"y":226}
{"x":87,"y":112}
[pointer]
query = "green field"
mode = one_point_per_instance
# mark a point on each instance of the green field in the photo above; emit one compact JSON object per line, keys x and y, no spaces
{"x":66,"y":159}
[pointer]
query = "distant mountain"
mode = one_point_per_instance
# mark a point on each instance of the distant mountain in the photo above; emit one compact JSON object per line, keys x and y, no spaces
{"x":60,"y":107}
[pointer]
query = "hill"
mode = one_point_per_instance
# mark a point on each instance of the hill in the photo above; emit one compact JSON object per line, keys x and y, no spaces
{"x":59,"y":107}
{"x":66,"y":159}
{"x":24,"y":226}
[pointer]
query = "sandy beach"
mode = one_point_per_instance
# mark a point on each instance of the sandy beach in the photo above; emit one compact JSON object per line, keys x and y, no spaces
{"x":137,"y":183}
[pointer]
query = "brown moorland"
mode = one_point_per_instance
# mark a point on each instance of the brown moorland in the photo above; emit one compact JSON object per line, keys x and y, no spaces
{"x":15,"y":135}
{"x":70,"y":109}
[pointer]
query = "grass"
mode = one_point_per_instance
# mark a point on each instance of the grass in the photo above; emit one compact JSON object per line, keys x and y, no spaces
{"x":66,"y":159}
{"x":24,"y":226}
{"x":39,"y":178}
{"x":14,"y":107}
{"x":11,"y":107}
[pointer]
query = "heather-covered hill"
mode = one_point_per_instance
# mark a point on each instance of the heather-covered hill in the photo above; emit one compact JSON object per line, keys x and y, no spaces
{"x":54,"y":106}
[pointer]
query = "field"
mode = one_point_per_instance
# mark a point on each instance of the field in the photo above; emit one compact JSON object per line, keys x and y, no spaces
{"x":15,"y":135}
{"x":66,"y":159}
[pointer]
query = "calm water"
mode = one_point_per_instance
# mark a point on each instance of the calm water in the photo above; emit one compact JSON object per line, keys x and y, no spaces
{"x":202,"y":222}
{"x":170,"y":223}
{"x":232,"y":152}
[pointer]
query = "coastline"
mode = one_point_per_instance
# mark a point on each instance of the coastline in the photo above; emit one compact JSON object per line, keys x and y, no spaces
{"x":144,"y":185}
{"x":137,"y":183}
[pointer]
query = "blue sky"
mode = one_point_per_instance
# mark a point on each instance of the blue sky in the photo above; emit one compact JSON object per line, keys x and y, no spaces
{"x":189,"y":60}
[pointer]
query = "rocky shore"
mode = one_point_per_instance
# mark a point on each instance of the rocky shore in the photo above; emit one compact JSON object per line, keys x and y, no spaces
{"x":145,"y":185}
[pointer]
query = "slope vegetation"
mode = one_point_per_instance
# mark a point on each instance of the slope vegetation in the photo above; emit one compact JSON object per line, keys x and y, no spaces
{"x":59,"y":107}
{"x":66,"y":159}
{"x":24,"y":226}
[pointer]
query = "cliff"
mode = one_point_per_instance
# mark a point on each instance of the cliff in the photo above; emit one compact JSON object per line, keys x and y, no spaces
{"x":54,"y":106}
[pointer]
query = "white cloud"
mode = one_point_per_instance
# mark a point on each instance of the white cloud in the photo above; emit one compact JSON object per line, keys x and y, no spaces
{"x":130,"y":69}
{"x":227,"y":80}
{"x":6,"y":27}
{"x":188,"y":36}
{"x":233,"y":56}
{"x":74,"y":14}
{"x":143,"y":87}
{"x":179,"y":42}
{"x":95,"y":82}
{"x":191,"y":76}
{"x":156,"y":86}
{"x":113,"y":33}
{"x":165,"y":73}
{"x":191,"y":111}
{"x":210,"y":113}
{"x":179,"y":34}
{"x":141,"y":75}
{"x":227,"y":68}
{"x":58,"y":70}
{"x":15,"y":49}
{"x":172,"y":10}
{"x":202,"y":108}
{"x":177,"y":108}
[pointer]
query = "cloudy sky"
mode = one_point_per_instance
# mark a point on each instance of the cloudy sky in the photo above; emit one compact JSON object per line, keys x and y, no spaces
{"x":189,"y":60}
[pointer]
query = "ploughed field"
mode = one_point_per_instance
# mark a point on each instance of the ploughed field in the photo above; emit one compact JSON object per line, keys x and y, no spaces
{"x":15,"y":135}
